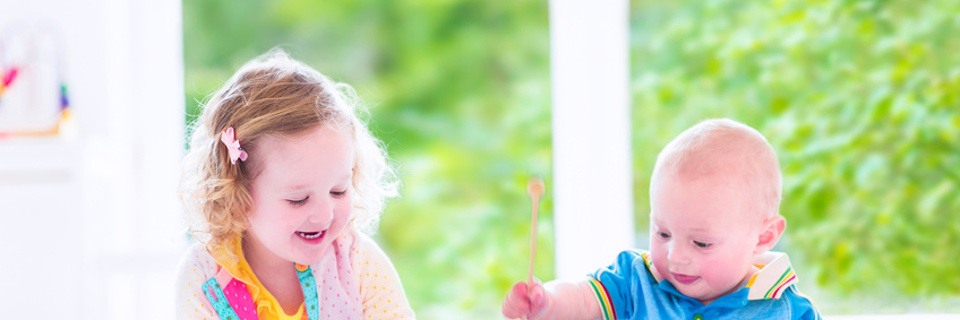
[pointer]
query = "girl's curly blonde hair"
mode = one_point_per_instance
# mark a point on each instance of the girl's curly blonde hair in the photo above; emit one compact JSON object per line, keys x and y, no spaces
{"x":279,"y":96}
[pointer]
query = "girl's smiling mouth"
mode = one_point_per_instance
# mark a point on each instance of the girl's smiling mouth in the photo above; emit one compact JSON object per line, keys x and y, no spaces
{"x":310,"y":235}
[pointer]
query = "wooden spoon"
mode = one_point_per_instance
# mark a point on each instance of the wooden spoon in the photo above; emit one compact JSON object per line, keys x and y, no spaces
{"x":535,"y":190}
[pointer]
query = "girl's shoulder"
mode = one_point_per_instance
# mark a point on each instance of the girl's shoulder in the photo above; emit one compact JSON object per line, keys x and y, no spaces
{"x":377,"y":280}
{"x":359,"y":244}
{"x":196,"y":268}
{"x":196,"y":264}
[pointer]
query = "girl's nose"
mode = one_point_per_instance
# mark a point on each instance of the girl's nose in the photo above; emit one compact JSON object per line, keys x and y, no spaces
{"x":322,"y":213}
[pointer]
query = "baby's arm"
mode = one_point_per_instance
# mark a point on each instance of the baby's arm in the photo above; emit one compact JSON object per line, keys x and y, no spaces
{"x":558,"y":299}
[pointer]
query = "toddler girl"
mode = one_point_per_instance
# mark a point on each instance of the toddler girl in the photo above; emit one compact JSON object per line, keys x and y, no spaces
{"x":280,"y":177}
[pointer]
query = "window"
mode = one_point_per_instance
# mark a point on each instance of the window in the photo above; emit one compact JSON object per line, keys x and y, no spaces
{"x":459,"y":93}
{"x":861,"y":104}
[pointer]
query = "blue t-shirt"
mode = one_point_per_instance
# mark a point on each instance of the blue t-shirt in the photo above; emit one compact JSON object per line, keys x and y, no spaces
{"x":631,"y":288}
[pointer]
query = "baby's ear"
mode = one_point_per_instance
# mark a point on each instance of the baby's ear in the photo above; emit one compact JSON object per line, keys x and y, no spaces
{"x":770,"y":234}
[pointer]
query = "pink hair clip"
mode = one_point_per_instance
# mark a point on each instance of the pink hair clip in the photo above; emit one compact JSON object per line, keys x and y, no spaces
{"x":229,"y":139}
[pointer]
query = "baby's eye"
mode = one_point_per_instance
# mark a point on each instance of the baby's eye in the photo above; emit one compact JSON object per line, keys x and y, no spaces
{"x":664,"y":235}
{"x":338,"y":194}
{"x":298,"y":203}
{"x":702,"y":245}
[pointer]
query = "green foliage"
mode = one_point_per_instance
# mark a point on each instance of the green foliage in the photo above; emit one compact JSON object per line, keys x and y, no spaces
{"x":861,"y":99}
{"x":461,"y":96}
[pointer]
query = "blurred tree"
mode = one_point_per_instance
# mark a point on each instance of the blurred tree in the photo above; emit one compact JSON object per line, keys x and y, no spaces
{"x":861,"y":99}
{"x":461,"y":96}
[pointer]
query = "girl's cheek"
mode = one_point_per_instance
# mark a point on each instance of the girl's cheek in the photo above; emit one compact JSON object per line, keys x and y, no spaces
{"x":346,"y":205}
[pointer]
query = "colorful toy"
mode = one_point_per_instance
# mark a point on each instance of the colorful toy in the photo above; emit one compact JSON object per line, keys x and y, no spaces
{"x":7,"y":80}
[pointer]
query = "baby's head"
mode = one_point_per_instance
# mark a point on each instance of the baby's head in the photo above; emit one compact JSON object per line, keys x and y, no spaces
{"x":714,"y":198}
{"x":301,"y":134}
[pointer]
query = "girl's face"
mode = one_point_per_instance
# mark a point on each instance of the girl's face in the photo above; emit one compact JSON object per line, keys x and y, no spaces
{"x":701,"y":238}
{"x":302,"y":197}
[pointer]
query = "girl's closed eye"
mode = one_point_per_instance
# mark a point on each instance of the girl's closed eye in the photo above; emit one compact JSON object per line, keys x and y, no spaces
{"x":338,"y":194}
{"x":299,"y":203}
{"x":702,"y":245}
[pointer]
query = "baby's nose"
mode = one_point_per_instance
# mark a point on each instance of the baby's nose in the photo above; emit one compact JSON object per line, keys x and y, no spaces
{"x":677,"y":255}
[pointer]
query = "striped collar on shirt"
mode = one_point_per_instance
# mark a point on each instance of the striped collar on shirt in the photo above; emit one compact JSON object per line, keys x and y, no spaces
{"x":775,"y":275}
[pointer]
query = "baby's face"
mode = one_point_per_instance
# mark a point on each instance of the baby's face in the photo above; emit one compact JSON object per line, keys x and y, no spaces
{"x":702,"y":238}
{"x":302,"y":198}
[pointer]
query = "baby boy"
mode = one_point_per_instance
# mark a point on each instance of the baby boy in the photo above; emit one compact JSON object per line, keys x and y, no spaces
{"x":714,"y":215}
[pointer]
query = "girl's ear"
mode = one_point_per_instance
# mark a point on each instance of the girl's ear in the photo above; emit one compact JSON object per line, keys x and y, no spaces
{"x":772,"y":230}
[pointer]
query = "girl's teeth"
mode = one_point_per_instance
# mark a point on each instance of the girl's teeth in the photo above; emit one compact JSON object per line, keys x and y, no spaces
{"x":312,"y":235}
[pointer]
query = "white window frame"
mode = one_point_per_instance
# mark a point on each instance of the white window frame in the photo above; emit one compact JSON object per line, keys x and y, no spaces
{"x":592,"y":170}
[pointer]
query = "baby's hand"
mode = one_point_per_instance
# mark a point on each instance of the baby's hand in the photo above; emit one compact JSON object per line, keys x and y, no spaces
{"x":525,"y":300}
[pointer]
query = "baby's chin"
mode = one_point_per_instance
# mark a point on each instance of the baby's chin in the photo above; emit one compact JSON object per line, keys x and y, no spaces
{"x":705,"y":299}
{"x":698,"y":291}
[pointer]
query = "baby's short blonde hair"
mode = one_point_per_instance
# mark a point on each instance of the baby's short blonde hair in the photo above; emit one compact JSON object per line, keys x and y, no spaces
{"x":273,"y":95}
{"x":724,"y":146}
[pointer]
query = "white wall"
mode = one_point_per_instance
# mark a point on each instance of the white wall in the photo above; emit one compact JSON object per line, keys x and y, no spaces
{"x":89,"y":223}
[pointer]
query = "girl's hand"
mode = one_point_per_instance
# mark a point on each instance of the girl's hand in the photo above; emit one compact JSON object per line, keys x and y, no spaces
{"x":526,"y":300}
